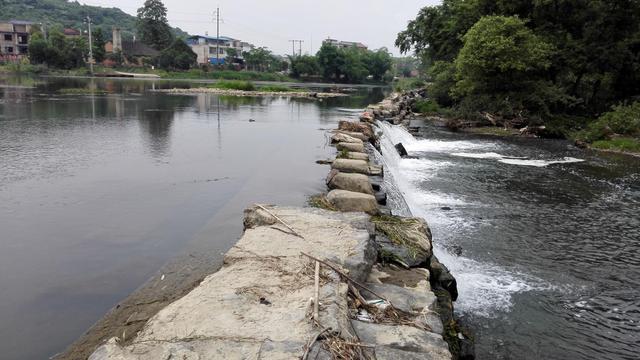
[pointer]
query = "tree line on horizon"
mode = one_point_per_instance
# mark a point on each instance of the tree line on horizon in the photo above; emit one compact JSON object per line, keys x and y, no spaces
{"x":349,"y":65}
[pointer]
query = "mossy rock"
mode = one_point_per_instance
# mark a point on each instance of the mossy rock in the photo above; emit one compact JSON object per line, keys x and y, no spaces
{"x":406,"y":241}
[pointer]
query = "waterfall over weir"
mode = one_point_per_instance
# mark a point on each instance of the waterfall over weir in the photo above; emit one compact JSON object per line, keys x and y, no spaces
{"x":483,"y":288}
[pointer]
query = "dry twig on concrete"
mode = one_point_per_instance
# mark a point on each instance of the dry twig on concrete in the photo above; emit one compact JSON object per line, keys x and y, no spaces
{"x":281,"y":221}
{"x":313,"y":340}
{"x":345,"y":276}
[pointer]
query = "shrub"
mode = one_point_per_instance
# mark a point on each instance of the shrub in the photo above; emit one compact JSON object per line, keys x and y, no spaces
{"x":622,"y":120}
{"x":235,"y":85}
{"x":426,"y":107}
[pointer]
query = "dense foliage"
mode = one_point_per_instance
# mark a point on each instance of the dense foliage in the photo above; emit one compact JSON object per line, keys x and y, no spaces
{"x":57,"y":51}
{"x":529,"y":60}
{"x":178,"y":56}
{"x":71,"y":14}
{"x":622,"y":120}
{"x":263,"y":60}
{"x":153,"y":26}
{"x":350,"y":65}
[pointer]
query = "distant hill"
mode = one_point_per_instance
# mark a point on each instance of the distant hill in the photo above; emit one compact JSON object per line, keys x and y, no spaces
{"x":71,"y":14}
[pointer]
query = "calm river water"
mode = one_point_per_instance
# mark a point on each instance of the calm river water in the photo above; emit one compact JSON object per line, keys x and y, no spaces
{"x":543,"y":238}
{"x":98,"y":192}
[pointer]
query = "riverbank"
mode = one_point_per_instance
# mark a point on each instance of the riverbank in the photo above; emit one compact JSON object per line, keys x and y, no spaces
{"x":376,"y":284}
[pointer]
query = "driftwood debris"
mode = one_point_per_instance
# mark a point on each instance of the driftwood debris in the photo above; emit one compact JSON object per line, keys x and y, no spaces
{"x":280,"y":221}
{"x":345,"y":276}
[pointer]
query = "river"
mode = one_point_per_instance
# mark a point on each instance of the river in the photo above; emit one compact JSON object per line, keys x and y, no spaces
{"x":543,"y":238}
{"x":98,"y":192}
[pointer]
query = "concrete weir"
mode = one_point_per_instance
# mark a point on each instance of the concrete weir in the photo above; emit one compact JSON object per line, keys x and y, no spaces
{"x":310,"y":283}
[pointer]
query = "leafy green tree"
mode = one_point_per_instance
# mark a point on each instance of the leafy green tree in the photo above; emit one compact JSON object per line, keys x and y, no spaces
{"x":153,"y":27}
{"x":98,"y":43}
{"x":378,"y":63}
{"x":305,"y":65}
{"x":353,"y":67}
{"x":37,"y":49}
{"x":261,"y":59}
{"x":178,"y":56}
{"x":501,"y":63}
{"x":331,"y":62}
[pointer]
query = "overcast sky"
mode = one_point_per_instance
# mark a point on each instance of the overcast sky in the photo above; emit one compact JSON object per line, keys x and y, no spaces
{"x":272,"y":23}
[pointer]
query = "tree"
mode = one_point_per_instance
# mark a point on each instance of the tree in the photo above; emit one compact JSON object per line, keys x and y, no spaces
{"x":153,"y":27}
{"x":58,"y":51}
{"x":37,"y":49}
{"x":305,"y":65}
{"x":98,"y":43}
{"x":330,"y":61}
{"x":261,"y":59}
{"x":501,"y":63}
{"x":378,"y":63}
{"x":178,"y":56}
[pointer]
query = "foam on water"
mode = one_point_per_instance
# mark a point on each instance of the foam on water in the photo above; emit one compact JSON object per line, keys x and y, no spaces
{"x":483,"y":288}
{"x":487,"y":155}
{"x":540,"y":163}
{"x":514,"y":160}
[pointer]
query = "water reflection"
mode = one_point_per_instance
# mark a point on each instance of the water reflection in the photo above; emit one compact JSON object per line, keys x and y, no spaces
{"x":99,"y":190}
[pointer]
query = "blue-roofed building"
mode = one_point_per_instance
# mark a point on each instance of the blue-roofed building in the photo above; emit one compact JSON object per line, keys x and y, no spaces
{"x":206,"y":46}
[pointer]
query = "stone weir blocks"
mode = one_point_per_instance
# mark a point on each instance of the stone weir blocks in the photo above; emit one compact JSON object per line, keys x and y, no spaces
{"x":259,"y":305}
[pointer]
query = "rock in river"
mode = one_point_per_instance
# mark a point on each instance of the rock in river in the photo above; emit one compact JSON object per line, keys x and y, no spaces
{"x":350,"y":182}
{"x":355,"y":147}
{"x":349,"y":201}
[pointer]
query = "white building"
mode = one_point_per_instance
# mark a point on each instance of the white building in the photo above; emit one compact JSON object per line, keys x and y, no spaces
{"x":206,"y":46}
{"x":345,"y":44}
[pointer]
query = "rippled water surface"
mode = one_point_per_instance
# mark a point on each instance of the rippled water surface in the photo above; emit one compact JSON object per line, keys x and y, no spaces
{"x":97,"y":192}
{"x":543,"y":238}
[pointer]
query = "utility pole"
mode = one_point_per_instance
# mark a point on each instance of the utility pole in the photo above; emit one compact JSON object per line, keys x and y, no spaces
{"x":293,"y":46}
{"x":218,"y":36}
{"x":88,"y":21}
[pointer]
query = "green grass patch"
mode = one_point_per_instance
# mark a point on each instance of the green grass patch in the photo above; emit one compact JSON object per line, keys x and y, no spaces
{"x":321,"y":202}
{"x":625,"y":144}
{"x":224,"y":74}
{"x":400,"y":231}
{"x":234,"y":85}
{"x":343,"y":154}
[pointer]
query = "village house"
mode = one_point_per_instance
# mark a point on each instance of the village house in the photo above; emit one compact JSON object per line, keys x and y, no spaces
{"x":345,"y":44}
{"x":134,"y":52}
{"x":206,"y":46}
{"x":71,"y":33}
{"x":14,"y":39}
